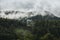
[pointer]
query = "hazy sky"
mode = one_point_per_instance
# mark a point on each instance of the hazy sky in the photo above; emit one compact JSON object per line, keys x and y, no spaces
{"x":39,"y":6}
{"x":29,"y":4}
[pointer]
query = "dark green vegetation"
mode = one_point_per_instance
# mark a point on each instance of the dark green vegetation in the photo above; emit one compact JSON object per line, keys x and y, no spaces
{"x":41,"y":30}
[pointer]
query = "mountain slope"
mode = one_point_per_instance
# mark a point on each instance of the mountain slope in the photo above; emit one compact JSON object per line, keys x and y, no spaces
{"x":46,"y":17}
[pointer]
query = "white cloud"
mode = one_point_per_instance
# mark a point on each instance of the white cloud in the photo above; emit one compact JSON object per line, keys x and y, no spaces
{"x":39,"y":6}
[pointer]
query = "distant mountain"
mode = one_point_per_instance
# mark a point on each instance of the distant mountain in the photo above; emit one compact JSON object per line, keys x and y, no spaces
{"x":46,"y":17}
{"x":23,"y":16}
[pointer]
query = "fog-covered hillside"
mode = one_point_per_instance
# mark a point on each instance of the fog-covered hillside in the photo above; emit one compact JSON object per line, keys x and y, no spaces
{"x":18,"y":15}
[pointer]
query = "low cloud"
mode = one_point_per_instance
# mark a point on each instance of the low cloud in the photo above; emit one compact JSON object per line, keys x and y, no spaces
{"x":39,"y":6}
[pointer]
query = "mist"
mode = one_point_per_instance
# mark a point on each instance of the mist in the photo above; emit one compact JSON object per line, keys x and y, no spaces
{"x":35,"y":6}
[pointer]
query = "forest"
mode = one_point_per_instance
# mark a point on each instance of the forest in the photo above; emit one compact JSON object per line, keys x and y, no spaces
{"x":38,"y":30}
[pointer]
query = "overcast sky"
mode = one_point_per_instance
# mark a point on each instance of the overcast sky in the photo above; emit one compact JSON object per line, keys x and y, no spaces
{"x":28,"y":4}
{"x":52,"y":6}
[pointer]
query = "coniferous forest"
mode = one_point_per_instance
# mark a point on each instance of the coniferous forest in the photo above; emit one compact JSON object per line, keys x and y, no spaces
{"x":36,"y":30}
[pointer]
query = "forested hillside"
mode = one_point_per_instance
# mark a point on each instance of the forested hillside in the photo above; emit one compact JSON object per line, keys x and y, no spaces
{"x":40,"y":30}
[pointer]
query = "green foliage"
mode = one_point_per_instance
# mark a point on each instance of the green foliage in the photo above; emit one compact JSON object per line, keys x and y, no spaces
{"x":24,"y":34}
{"x":42,"y":30}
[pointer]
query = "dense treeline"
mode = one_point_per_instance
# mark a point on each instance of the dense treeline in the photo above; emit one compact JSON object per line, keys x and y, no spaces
{"x":40,"y":30}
